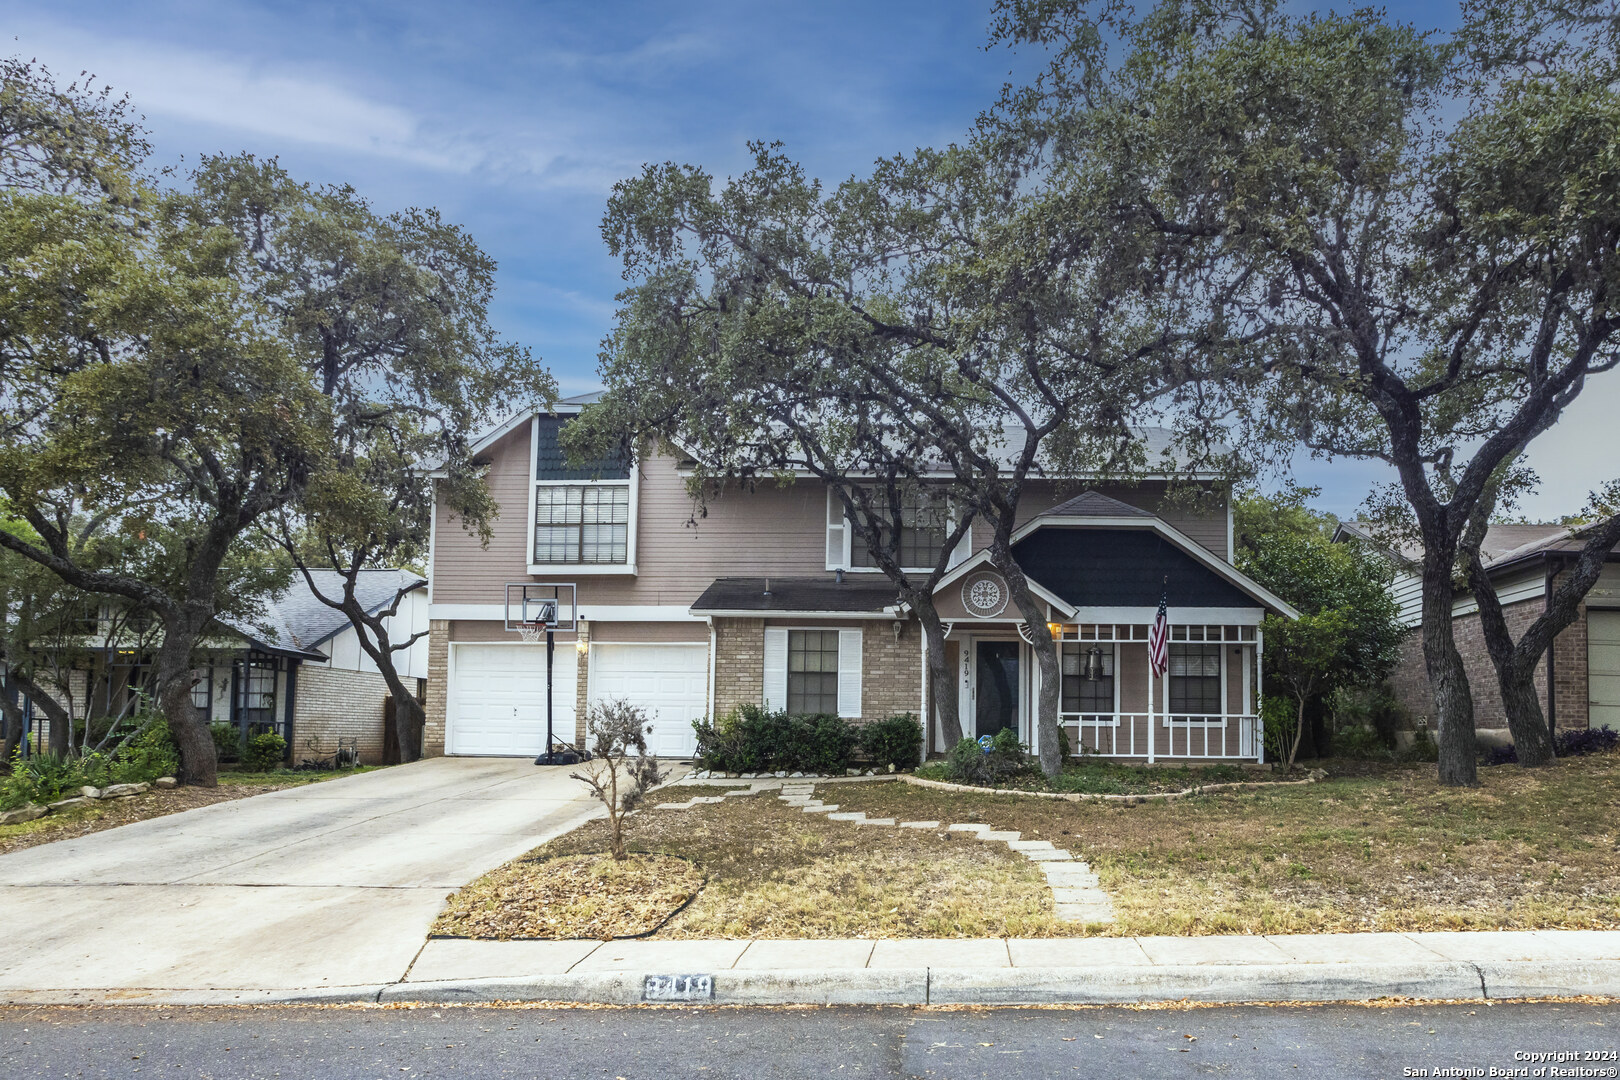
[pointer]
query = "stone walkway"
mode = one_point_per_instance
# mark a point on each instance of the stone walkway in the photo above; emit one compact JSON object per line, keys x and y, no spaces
{"x":1076,"y":894}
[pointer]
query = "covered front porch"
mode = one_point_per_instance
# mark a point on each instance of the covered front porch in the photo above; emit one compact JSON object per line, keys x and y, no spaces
{"x":1204,"y":707}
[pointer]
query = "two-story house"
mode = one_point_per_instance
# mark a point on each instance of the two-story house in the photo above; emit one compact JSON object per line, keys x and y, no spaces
{"x":765,"y":599}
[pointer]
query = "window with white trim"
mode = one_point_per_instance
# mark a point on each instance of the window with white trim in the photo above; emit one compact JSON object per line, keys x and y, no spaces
{"x":202,"y":691}
{"x":582,"y":524}
{"x":1195,"y":680}
{"x":1088,"y":683}
{"x":924,"y":521}
{"x":812,"y":672}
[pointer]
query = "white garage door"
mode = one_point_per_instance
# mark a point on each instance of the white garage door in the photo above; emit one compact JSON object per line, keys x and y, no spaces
{"x":1603,"y":667}
{"x":497,"y":699}
{"x":670,"y":681}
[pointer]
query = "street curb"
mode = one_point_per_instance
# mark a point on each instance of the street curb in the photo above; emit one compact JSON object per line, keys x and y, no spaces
{"x":1120,"y":984}
{"x":334,"y":995}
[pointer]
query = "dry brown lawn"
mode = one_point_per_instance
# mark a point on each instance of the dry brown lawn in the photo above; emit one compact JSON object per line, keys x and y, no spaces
{"x":1390,"y":850}
{"x":775,"y":872}
{"x":572,"y":896}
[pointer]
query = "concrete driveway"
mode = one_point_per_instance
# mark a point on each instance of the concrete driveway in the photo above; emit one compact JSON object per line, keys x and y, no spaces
{"x":334,"y":884}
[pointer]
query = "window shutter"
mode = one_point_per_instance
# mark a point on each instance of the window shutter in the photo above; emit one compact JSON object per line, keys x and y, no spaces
{"x":835,"y":533}
{"x":849,"y":673}
{"x":776,"y":650}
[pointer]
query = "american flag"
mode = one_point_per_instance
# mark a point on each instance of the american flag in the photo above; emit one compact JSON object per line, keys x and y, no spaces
{"x":1159,"y":638}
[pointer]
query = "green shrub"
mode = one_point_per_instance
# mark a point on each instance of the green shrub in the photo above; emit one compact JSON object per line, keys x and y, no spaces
{"x":752,"y":739}
{"x":1280,"y":715}
{"x":148,"y":755}
{"x":227,"y":741}
{"x":1360,"y":742}
{"x":264,"y":752}
{"x":1423,"y":747}
{"x":971,"y":763}
{"x":896,"y":741}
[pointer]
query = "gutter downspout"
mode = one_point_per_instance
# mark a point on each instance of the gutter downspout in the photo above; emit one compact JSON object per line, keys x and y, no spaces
{"x":710,"y":620}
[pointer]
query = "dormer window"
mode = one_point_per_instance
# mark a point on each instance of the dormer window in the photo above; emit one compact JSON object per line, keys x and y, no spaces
{"x":584,"y":515}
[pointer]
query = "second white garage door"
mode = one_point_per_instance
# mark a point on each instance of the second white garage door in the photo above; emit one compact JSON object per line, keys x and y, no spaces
{"x":497,"y":699}
{"x":670,"y":681}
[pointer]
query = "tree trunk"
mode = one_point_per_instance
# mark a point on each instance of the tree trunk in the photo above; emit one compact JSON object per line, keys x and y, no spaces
{"x":941,"y":678}
{"x":1299,"y":730}
{"x":61,"y":732}
{"x":409,"y":720}
{"x":199,"y":761}
{"x":11,"y":726}
{"x":1448,"y":680}
{"x":1046,"y":704}
{"x":1515,"y":662}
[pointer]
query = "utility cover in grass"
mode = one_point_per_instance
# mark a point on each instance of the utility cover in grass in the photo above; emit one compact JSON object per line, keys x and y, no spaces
{"x":572,"y":896}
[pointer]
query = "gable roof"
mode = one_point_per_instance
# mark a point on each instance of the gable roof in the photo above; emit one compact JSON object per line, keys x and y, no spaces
{"x":1094,"y":512}
{"x":1503,"y":544}
{"x":296,"y":622}
{"x":1094,"y":504}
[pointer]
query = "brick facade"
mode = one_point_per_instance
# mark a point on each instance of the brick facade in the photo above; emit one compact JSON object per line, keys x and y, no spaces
{"x":1410,"y":680}
{"x":739,"y":663}
{"x":333,"y":703}
{"x":582,"y":690}
{"x":437,"y":687}
{"x":891,"y":670}
{"x":891,"y":667}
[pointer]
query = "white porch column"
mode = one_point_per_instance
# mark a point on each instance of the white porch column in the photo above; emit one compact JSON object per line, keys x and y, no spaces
{"x":1260,"y":693}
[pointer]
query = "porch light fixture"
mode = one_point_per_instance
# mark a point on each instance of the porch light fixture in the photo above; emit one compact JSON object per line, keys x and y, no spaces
{"x":1055,"y":629}
{"x":582,"y":645}
{"x":1094,"y":664}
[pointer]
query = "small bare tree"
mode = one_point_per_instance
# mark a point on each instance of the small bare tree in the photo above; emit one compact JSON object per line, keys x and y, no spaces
{"x":621,"y":772}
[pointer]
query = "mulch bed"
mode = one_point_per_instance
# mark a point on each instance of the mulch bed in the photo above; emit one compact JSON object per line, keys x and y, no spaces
{"x":572,"y":896}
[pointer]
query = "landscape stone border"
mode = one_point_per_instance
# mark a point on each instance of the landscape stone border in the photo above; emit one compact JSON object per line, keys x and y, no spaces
{"x":1077,"y":896}
{"x":1312,"y":777}
{"x":86,"y":794}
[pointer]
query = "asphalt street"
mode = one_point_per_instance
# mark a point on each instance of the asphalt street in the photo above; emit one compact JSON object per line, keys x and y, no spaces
{"x":348,"y":1043}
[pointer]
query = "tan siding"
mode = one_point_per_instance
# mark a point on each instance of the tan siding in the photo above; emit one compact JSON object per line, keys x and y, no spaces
{"x":773,"y":529}
{"x":646,"y":632}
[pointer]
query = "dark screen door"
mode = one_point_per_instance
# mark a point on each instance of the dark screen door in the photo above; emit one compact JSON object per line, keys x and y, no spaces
{"x":996,"y":695}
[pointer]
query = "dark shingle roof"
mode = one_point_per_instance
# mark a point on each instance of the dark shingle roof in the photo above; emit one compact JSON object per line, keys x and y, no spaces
{"x":796,"y":594}
{"x":552,"y":463}
{"x":296,"y":621}
{"x":1097,"y":505}
{"x":1502,"y":543}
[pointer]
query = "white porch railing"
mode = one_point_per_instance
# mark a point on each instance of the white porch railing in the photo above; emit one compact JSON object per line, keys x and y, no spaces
{"x":1126,"y":735}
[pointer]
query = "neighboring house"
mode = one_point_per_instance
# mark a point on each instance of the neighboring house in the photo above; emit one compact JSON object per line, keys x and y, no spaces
{"x":1525,"y":563}
{"x":297,"y":670}
{"x":766,"y":599}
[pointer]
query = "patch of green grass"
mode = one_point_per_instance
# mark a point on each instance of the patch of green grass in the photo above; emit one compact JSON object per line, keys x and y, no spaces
{"x":289,"y":777}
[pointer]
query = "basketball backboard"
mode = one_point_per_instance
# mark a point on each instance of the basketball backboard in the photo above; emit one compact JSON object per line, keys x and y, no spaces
{"x":547,"y":604}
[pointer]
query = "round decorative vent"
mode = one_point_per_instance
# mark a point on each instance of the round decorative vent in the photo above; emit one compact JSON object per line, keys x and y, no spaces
{"x":985,"y":596}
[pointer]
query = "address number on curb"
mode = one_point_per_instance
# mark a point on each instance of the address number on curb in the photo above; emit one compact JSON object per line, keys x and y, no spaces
{"x":678,"y":988}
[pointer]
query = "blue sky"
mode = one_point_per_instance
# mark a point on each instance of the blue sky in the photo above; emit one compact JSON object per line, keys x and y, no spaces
{"x":515,"y":119}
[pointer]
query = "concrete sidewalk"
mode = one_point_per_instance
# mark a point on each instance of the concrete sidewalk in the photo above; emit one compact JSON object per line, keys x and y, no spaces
{"x":991,"y":971}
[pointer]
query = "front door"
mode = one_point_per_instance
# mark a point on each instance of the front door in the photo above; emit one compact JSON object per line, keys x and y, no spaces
{"x":995,"y":698}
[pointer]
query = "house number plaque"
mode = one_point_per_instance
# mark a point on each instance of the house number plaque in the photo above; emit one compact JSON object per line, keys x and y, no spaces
{"x":678,"y":988}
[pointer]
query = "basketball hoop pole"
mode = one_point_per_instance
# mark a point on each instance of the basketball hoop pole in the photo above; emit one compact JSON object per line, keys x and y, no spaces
{"x":546,"y":607}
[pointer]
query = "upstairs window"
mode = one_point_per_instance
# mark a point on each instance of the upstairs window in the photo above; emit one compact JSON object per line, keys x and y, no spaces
{"x":581,"y":509}
{"x":582,"y":524}
{"x":1195,"y":680}
{"x":924,"y":522}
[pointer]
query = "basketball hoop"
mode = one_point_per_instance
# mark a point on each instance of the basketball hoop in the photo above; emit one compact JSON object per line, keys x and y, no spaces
{"x":532,"y":633}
